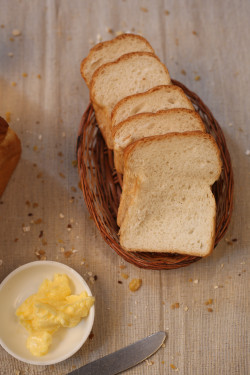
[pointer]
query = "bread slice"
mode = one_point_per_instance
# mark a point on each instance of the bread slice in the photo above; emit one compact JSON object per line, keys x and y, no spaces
{"x":10,"y":151}
{"x":148,"y":124}
{"x":111,"y":50}
{"x":153,"y":100}
{"x":130,"y":74}
{"x":173,"y":209}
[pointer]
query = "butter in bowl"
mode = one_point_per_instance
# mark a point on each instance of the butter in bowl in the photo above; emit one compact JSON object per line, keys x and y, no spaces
{"x":48,"y":312}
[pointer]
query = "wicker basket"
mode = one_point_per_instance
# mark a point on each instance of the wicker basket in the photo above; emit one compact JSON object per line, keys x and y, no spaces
{"x":102,"y":185}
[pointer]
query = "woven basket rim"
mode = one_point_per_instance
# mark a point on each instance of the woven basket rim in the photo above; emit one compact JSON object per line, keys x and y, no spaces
{"x":101,"y":186}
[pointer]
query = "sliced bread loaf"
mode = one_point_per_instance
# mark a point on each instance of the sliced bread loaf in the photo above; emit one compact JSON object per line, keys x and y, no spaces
{"x":173,"y":209}
{"x":148,"y":124}
{"x":153,"y":100}
{"x":111,"y":50}
{"x":130,"y":74}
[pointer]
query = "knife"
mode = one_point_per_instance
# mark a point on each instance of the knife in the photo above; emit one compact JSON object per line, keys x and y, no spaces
{"x":124,"y":358}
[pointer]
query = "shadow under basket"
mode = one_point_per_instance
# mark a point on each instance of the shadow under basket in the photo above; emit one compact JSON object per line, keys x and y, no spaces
{"x":102,"y":186}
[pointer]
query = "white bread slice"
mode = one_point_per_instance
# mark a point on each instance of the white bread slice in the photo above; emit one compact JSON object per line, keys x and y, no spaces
{"x":111,"y":50}
{"x":173,"y":209}
{"x":130,"y":74}
{"x":153,"y":100}
{"x":149,"y":124}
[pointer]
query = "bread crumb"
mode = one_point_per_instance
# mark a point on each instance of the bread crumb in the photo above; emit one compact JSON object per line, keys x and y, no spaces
{"x":173,"y":367}
{"x":39,"y":76}
{"x":190,"y":280}
{"x":13,"y":84}
{"x":61,"y":175}
{"x":10,"y":54}
{"x":34,"y":205}
{"x":17,"y":372}
{"x":230,"y":124}
{"x":1,"y":262}
{"x":16,"y":32}
{"x":167,"y":13}
{"x":61,"y":216}
{"x":74,"y":163}
{"x":183,"y":72}
{"x":40,"y":137}
{"x":185,"y":308}
{"x":194,"y":32}
{"x":209,"y":302}
{"x":145,"y":10}
{"x":8,"y":116}
{"x":197,"y":78}
{"x":12,"y":39}
{"x":98,"y":37}
{"x":135,"y":284}
{"x":149,"y":363}
{"x":247,"y":152}
{"x":109,"y":30}
{"x":2,"y":26}
{"x":25,"y":75}
{"x":38,"y":221}
{"x":67,"y":254}
{"x":125,"y":276}
{"x":175,"y":305}
{"x":119,"y":32}
{"x":210,"y":310}
{"x":122,"y":266}
{"x":196,"y":281}
{"x":26,"y":228}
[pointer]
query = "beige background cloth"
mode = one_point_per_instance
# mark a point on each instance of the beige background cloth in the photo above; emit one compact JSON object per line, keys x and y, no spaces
{"x":206,"y":45}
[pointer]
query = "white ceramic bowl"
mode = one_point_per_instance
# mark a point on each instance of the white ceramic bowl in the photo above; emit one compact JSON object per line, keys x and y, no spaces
{"x":19,"y":285}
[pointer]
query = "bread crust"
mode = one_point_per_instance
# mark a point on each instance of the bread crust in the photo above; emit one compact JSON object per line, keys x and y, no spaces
{"x":118,"y":152}
{"x":171,"y":251}
{"x":3,"y":129}
{"x":125,"y":57}
{"x":10,"y":151}
{"x":144,"y":94}
{"x":116,"y":128}
{"x":129,"y":149}
{"x":102,"y":45}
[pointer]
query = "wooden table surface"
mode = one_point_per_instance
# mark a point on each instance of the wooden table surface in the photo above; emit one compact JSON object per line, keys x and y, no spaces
{"x":206,"y":45}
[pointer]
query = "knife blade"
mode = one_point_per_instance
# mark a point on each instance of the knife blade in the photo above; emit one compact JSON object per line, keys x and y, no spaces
{"x":124,"y":358}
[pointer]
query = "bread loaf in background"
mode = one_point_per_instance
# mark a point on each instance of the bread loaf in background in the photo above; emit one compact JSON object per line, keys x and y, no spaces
{"x":10,"y":152}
